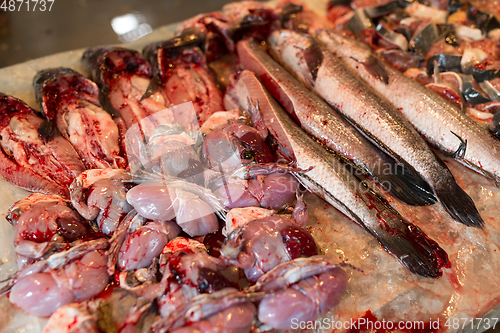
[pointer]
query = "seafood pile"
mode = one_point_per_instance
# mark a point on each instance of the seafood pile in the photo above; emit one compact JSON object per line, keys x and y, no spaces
{"x":259,"y":169}
{"x":449,"y":47}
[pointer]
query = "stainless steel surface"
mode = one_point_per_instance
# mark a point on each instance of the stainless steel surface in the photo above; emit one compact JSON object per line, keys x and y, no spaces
{"x":26,"y":35}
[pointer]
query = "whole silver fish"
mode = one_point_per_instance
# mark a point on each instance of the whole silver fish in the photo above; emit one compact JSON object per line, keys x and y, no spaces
{"x":332,"y":79}
{"x":329,"y":127}
{"x":333,"y":182}
{"x":439,"y":121}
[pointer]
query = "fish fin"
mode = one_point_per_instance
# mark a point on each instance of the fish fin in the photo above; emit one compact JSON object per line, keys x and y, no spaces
{"x":460,"y":153}
{"x":421,"y":255}
{"x":372,"y":138}
{"x":189,"y":37}
{"x":376,"y":68}
{"x":407,"y":186}
{"x":458,"y":204}
{"x":409,"y":244}
{"x":414,"y":250}
{"x":28,"y":179}
{"x":313,"y":56}
{"x":407,"y":173}
{"x":154,"y":86}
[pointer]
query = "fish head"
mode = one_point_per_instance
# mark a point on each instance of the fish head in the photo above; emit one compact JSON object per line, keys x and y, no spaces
{"x":92,"y":59}
{"x":105,"y":62}
{"x":11,"y":106}
{"x":298,"y":53}
{"x":56,"y":84}
{"x":358,"y":50}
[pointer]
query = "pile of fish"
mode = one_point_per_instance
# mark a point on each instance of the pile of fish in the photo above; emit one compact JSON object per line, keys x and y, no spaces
{"x":451,"y":47}
{"x":169,"y":186}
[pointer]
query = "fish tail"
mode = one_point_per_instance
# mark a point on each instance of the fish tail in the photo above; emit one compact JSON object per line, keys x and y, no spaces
{"x":458,"y":204}
{"x":406,"y":242}
{"x":405,"y":185}
{"x":414,"y":250}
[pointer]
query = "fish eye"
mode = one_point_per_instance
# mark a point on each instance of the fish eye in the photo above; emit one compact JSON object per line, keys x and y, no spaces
{"x":247,"y":155}
{"x":14,"y":216}
{"x":203,"y":285}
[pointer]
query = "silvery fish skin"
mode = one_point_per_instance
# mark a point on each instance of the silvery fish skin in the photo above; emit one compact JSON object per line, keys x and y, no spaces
{"x":329,"y":127}
{"x":332,"y":181}
{"x":439,"y":122}
{"x":331,"y":78}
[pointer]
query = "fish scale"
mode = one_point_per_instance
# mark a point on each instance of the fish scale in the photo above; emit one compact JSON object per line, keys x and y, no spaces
{"x":379,"y":121}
